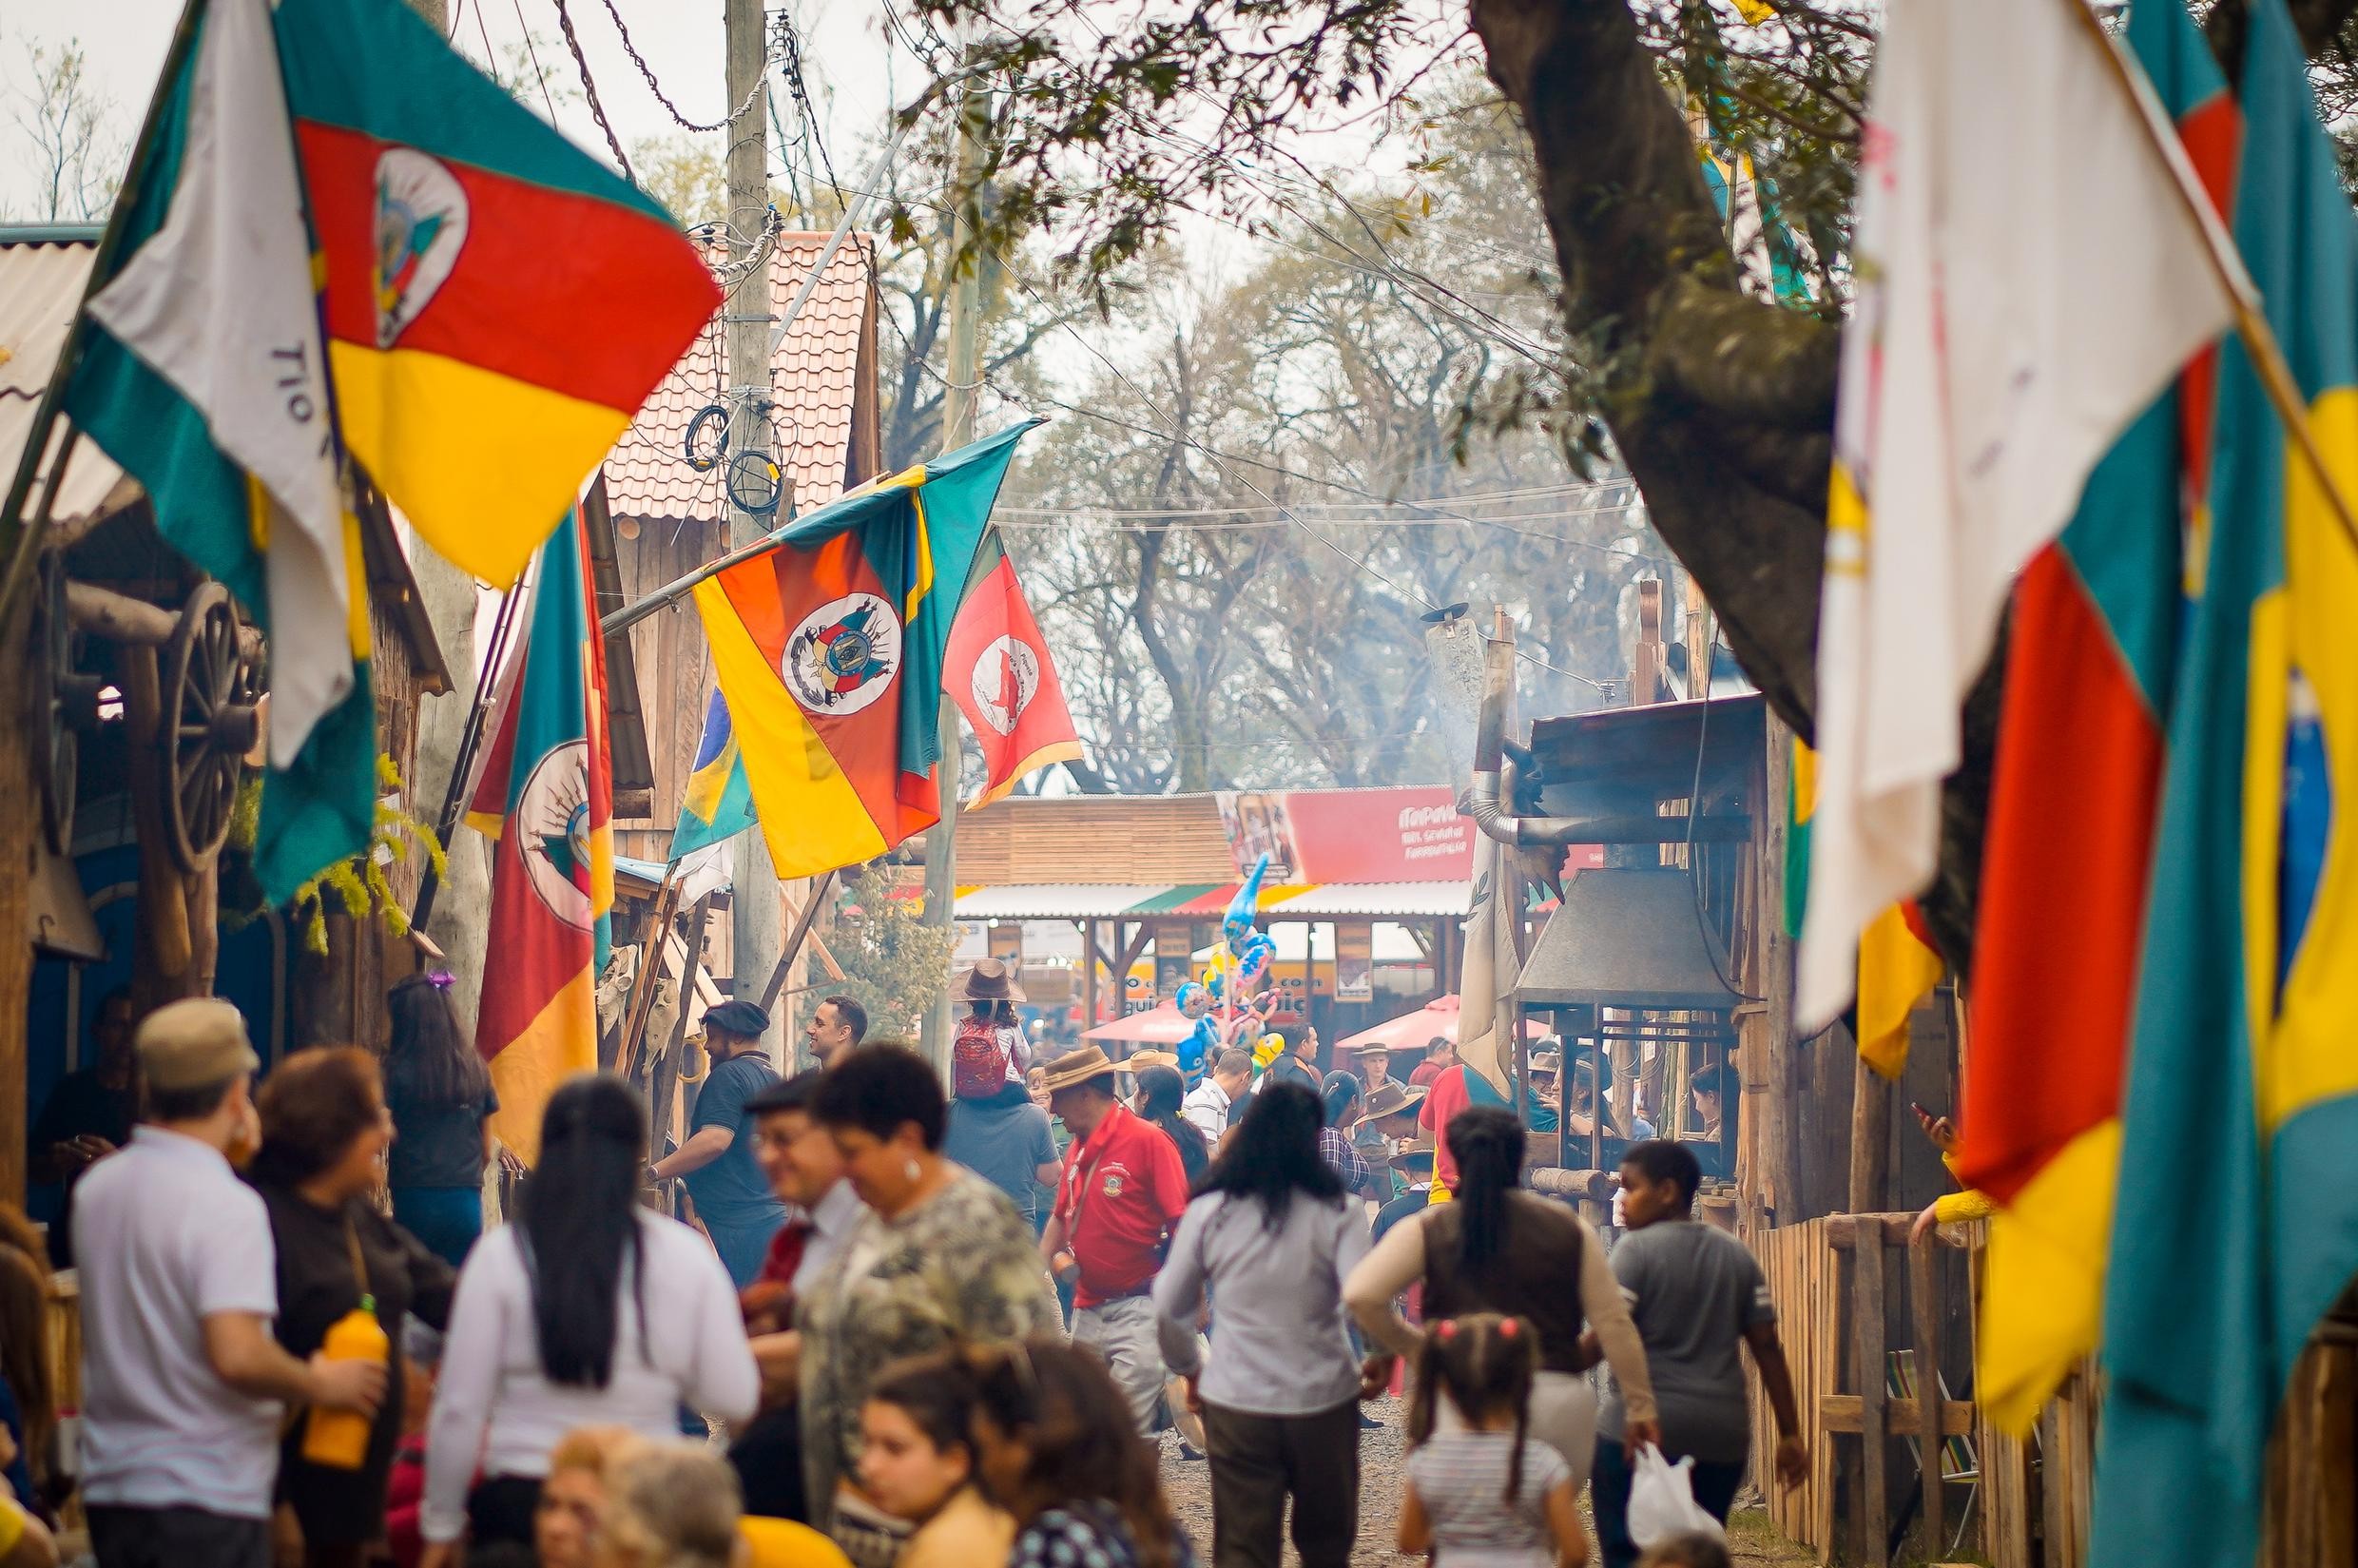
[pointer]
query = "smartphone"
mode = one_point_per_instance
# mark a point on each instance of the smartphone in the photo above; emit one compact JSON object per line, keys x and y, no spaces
{"x":1923,"y":1110}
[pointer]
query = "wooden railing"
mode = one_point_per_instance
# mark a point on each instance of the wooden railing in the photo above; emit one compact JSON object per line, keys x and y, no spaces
{"x":1844,"y":1298}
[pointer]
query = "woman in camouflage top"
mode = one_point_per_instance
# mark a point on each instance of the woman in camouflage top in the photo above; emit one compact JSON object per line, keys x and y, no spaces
{"x":941,"y":1259}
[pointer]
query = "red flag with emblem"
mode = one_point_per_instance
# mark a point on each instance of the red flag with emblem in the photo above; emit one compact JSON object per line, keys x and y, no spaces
{"x":997,"y":671}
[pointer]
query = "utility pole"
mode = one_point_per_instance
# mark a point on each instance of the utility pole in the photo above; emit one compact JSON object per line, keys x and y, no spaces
{"x":755,"y":916}
{"x":964,"y":325}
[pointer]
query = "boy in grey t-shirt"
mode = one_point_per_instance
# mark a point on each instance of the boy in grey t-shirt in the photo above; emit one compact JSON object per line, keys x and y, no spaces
{"x":1696,"y":1293}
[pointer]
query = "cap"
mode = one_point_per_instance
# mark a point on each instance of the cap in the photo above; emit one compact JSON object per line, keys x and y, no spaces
{"x":738,"y":1016}
{"x":194,"y":1043}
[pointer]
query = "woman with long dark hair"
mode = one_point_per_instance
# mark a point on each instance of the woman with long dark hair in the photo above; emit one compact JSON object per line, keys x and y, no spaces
{"x":441,"y":1100}
{"x":589,"y":1310}
{"x":1057,"y":1447}
{"x":1499,"y":1248}
{"x":1272,"y":1234}
{"x":1161,"y":1091}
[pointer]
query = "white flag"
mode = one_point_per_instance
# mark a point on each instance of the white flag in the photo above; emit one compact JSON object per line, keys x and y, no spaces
{"x":219,"y":303}
{"x":2029,"y":281}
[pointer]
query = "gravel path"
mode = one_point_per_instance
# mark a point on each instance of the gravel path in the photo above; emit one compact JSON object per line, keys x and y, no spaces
{"x":1752,"y":1541}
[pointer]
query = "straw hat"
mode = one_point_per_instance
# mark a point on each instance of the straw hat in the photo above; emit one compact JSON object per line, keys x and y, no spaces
{"x":1392,"y":1096}
{"x":1138,"y":1062}
{"x":1416,"y":1148}
{"x":1077,"y":1067}
{"x":989,"y":982}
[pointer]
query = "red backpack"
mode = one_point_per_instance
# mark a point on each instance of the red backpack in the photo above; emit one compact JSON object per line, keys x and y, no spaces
{"x":979,"y":1058}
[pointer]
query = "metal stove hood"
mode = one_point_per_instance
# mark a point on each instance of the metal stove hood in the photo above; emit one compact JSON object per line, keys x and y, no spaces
{"x":1624,"y":939}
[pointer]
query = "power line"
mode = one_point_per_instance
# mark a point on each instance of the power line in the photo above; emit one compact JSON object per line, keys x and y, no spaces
{"x":588,"y":87}
{"x":654,"y":87}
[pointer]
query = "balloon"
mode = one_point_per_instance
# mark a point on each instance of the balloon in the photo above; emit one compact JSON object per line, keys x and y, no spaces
{"x":1195,"y":1000}
{"x":1196,"y":1050}
{"x":1272,"y":1046}
{"x":1245,"y":907}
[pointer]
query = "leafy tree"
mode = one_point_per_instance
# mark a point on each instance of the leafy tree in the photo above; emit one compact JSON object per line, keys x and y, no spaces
{"x":1719,"y":402}
{"x":894,"y":964}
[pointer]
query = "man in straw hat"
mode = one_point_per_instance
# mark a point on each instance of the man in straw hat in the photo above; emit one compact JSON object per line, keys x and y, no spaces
{"x":184,"y":1387}
{"x":1121,"y":1194}
{"x":719,"y":1162}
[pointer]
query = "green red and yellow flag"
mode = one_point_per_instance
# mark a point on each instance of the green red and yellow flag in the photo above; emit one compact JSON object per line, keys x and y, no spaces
{"x":829,"y":651}
{"x":545,"y":793}
{"x":2239,"y":1112}
{"x":498,"y":303}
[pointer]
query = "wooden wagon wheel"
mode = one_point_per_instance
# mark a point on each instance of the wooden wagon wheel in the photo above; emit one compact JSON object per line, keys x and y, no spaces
{"x":54,"y":693}
{"x":209,"y":722}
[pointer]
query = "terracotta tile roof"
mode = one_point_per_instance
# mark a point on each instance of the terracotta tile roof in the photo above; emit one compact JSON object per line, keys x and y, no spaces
{"x":822,"y":377}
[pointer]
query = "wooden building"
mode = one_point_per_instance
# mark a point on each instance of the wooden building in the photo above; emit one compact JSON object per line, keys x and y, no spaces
{"x":133,"y":718}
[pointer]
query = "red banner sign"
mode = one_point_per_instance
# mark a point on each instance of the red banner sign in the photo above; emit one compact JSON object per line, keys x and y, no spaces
{"x":1408,"y":835}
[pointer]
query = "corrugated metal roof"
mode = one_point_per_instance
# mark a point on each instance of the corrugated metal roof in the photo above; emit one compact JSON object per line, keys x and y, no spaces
{"x":1378,"y":899}
{"x":1148,"y":901}
{"x":815,"y":379}
{"x":40,"y":288}
{"x":1055,"y":901}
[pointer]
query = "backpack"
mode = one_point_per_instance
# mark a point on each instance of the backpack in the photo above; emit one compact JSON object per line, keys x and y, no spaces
{"x":981,"y":1057}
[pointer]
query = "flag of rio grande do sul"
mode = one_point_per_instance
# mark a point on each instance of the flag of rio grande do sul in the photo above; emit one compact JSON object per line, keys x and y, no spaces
{"x":546,"y":794}
{"x":999,"y":671}
{"x":498,"y":303}
{"x":829,"y":650}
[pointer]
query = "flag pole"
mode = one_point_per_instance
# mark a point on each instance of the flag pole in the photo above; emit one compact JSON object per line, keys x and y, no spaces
{"x":25,"y":538}
{"x":2259,"y":341}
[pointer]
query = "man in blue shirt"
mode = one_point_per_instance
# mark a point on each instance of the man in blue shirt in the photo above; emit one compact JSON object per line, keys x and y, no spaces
{"x":733,"y":1198}
{"x":1006,"y":1140}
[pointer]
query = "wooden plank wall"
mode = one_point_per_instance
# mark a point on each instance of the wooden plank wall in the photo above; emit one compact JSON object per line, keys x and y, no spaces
{"x":2312,"y":1513}
{"x":1804,"y":1279}
{"x":675,"y":673}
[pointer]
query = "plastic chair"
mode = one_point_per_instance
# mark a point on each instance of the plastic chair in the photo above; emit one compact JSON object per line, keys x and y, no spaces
{"x":1959,"y":1464}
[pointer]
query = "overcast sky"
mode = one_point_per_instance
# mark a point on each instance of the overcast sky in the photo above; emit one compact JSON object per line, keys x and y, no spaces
{"x":849,"y":68}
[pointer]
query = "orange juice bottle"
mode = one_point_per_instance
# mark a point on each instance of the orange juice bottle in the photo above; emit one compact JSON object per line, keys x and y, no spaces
{"x":338,"y":1438}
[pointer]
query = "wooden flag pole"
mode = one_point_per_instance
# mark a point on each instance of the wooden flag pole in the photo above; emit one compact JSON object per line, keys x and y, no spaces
{"x":2259,"y":341}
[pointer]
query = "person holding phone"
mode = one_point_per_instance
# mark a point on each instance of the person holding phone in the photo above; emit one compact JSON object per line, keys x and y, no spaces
{"x":1950,"y":1207}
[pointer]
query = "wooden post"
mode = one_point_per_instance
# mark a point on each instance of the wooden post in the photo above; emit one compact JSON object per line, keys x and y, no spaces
{"x":1780,"y":1147}
{"x":26,"y":729}
{"x":1870,"y":1139}
{"x":159,"y":972}
{"x":1646,"y":659}
{"x":1870,"y":1502}
{"x":663,"y":1079}
{"x":1088,"y":976}
{"x":1924,"y":1290}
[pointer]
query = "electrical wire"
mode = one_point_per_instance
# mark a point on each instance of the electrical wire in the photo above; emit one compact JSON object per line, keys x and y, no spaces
{"x":589,"y":90}
{"x":530,"y":52}
{"x":654,"y":87}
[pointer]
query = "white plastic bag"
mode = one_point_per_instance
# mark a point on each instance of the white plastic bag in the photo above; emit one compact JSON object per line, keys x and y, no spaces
{"x":1662,"y":1501}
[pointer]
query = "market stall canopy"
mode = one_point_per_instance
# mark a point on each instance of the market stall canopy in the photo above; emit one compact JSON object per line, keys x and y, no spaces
{"x":1161,"y":1025}
{"x":1207,"y":901}
{"x":1413,"y":1032}
{"x":42,"y":269}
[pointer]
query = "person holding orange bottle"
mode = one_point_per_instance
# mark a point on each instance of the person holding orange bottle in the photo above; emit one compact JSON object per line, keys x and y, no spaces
{"x":348,"y":1278}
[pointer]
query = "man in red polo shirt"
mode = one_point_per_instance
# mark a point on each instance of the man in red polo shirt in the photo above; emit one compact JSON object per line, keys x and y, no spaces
{"x":1121,"y":1195}
{"x":1447,"y":1098}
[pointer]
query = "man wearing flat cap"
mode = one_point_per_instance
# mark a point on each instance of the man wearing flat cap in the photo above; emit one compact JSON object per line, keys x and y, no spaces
{"x":718,"y":1162}
{"x":184,"y":1387}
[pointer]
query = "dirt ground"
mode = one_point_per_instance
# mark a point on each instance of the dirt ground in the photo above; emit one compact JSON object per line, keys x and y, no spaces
{"x":1752,"y":1539}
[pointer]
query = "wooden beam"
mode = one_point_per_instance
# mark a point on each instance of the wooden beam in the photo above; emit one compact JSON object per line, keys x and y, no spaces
{"x":1844,"y":1230}
{"x":793,"y":949}
{"x":1841,"y":1414}
{"x":120,"y":618}
{"x":1089,"y":975}
{"x":1872,"y":1510}
{"x":643,"y":982}
{"x":1870,"y":1139}
{"x":1923,"y":1299}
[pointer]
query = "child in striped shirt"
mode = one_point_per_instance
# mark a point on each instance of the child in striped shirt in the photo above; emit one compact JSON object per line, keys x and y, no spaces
{"x":1480,"y":1493}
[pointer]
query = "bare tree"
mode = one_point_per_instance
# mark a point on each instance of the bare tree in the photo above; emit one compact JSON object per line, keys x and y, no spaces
{"x":78,"y":148}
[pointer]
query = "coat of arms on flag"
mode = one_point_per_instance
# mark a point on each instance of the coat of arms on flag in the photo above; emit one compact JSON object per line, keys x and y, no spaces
{"x":843,"y":654}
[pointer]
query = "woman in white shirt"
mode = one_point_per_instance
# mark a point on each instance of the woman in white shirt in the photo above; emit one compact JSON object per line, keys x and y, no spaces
{"x":589,"y":1310}
{"x":1272,"y":1234}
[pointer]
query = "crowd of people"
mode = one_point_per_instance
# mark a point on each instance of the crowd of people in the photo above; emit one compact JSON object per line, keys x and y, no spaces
{"x":919,"y":1318}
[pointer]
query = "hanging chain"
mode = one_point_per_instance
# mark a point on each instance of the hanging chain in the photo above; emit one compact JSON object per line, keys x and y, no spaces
{"x":652,"y":85}
{"x":589,"y":90}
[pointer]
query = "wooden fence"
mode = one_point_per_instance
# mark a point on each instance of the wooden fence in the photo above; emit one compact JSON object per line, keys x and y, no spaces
{"x":1860,"y":1313}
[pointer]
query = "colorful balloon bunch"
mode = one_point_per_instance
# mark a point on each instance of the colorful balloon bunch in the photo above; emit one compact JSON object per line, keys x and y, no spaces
{"x":1231,"y":1003}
